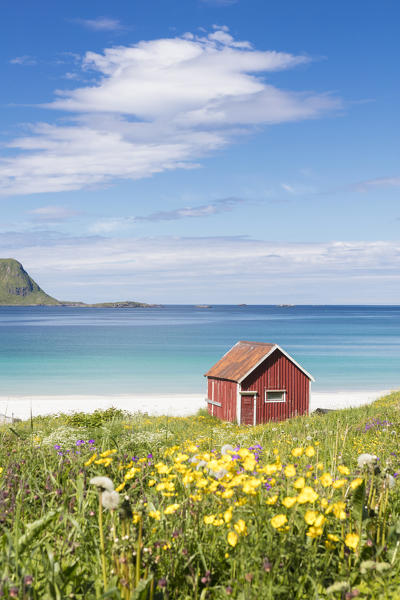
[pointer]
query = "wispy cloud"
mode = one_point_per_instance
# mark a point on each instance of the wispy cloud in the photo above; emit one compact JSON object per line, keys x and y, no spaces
{"x":24,"y":60}
{"x":380,"y":182}
{"x":156,"y":105}
{"x":178,"y":269}
{"x":52,"y":214}
{"x":101,"y":24}
{"x":113,"y":224}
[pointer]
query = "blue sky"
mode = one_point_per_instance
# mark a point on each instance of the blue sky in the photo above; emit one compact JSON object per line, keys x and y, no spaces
{"x":187,"y":151}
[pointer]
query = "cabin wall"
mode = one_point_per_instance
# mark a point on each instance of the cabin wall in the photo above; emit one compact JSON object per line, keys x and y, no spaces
{"x":278,"y":373}
{"x":225,"y":393}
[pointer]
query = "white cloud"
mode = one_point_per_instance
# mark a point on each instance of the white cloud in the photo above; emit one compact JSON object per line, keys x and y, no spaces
{"x":155,"y":106}
{"x":52,"y":213}
{"x":173,"y":269}
{"x":101,"y":24}
{"x":24,"y":60}
{"x":378,"y":183}
{"x":113,"y":224}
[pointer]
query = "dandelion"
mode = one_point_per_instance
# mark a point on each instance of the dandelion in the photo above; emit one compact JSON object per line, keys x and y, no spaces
{"x":155,"y":514}
{"x":339,"y":483}
{"x":110,"y":500}
{"x":299,"y":483}
{"x":366,"y":460}
{"x":278,"y":521}
{"x":290,"y":471}
{"x":352,"y":540}
{"x":289,"y":501}
{"x":326,"y":479}
{"x":240,"y":527}
{"x":297,"y":452}
{"x":356,"y":483}
{"x":227,"y":449}
{"x":104,"y":483}
{"x":232,"y":538}
{"x":310,"y":451}
{"x":307,"y":494}
{"x":343,"y":470}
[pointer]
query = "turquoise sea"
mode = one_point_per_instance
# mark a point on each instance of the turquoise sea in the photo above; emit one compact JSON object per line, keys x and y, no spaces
{"x":59,"y":350}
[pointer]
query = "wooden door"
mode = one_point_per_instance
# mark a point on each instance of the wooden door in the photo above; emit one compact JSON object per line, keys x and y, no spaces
{"x":247,"y":411}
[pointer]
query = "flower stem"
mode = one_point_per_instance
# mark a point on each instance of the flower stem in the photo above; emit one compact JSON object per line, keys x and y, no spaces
{"x":102,"y":548}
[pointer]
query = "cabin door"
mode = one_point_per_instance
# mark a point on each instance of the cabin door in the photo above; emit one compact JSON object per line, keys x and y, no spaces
{"x":248,"y":409}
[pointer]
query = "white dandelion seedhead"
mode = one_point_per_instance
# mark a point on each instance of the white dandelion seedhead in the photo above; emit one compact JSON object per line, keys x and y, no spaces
{"x":227,"y":449}
{"x":110,"y":500}
{"x":104,"y":483}
{"x":200,"y":465}
{"x":390,"y":480}
{"x":366,"y":460}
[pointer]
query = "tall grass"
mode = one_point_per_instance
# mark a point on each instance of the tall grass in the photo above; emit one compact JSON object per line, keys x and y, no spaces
{"x":198,"y":509}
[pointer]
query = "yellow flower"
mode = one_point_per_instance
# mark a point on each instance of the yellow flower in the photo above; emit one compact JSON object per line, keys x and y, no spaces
{"x":181,"y":457}
{"x":249,"y":463}
{"x":107,"y":453}
{"x":151,"y":482}
{"x":310,"y":516}
{"x":326,"y":479}
{"x":297,"y":452}
{"x":269,"y":469}
{"x":339,"y":483}
{"x":289,"y":501}
{"x":240,"y":527}
{"x":209,"y":519}
{"x":227,"y":494}
{"x":131,"y":473}
{"x":91,"y":460}
{"x":352,"y":540}
{"x":290,"y":471}
{"x":309,"y":451}
{"x":171,"y":509}
{"x":155,"y":514}
{"x":135,"y":518}
{"x":299,"y":483}
{"x":343,"y":470}
{"x":319,"y":520}
{"x":333,"y":537}
{"x":232,"y":538}
{"x":314,"y":532}
{"x":324,"y":502}
{"x":339,"y":510}
{"x":356,"y":483}
{"x":120,"y":487}
{"x":228,"y":515}
{"x":278,"y":521}
{"x":103,"y":461}
{"x":320,"y":466}
{"x":271,"y":500}
{"x":307,"y":494}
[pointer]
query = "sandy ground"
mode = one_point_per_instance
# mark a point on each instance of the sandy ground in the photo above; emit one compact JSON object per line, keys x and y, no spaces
{"x":166,"y":404}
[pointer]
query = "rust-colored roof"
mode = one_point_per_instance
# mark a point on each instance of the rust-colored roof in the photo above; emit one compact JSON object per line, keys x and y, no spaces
{"x":239,"y":360}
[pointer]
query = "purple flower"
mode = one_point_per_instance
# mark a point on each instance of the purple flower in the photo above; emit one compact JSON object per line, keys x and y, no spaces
{"x":150,"y":455}
{"x":80,"y":442}
{"x":57,"y":447}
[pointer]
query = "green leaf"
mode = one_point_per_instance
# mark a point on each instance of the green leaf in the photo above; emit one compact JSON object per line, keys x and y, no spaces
{"x":142,"y":587}
{"x":34,"y":529}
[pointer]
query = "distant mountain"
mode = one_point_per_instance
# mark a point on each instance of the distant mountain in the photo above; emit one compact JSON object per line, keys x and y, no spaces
{"x":17,"y":288}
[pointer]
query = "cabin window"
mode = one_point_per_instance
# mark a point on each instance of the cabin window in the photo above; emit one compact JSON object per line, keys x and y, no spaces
{"x":275,"y":395}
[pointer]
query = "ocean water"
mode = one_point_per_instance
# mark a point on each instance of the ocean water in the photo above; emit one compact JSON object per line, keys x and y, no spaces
{"x":63,"y":351}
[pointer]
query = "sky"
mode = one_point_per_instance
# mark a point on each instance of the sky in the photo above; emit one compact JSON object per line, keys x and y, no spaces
{"x":202,"y":151}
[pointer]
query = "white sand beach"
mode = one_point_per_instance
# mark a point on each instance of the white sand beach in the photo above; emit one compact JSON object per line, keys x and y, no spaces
{"x":157,"y":404}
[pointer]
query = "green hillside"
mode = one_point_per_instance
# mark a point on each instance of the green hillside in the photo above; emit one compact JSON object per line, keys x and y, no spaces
{"x":18,"y":288}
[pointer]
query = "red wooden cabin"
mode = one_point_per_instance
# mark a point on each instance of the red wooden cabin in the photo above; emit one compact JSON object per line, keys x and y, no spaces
{"x":255,"y":382}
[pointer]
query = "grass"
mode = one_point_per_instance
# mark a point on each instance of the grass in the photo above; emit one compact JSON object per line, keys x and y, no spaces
{"x":284,"y":512}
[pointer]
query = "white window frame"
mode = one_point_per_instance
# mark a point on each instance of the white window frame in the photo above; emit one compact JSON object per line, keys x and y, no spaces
{"x":266,"y":392}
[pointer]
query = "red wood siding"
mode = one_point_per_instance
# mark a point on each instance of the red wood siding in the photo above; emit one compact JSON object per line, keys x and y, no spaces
{"x":225,"y":392}
{"x":247,"y":412}
{"x":278,"y":373}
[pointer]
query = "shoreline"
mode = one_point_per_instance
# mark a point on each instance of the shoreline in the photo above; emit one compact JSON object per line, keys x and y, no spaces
{"x":19,"y":406}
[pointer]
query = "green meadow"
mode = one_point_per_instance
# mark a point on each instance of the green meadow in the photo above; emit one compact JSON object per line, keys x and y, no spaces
{"x":119,"y":506}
